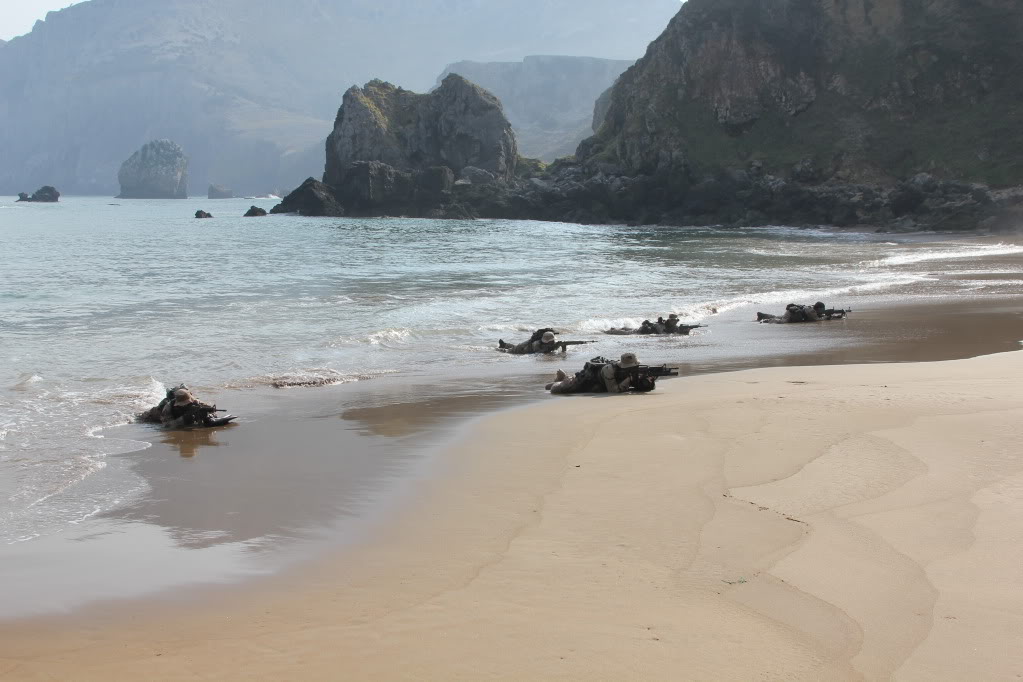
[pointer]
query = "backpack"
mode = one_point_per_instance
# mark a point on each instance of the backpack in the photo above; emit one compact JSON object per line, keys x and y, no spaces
{"x":538,"y":335}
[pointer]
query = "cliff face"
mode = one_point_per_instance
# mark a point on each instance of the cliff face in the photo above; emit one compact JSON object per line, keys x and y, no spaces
{"x":548,"y":99}
{"x":159,"y":170}
{"x":248,"y":88}
{"x":457,"y":125}
{"x":848,"y":90}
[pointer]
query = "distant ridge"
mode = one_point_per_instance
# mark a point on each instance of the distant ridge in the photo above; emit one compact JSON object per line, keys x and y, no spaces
{"x":251,"y":90}
{"x":549,"y":99}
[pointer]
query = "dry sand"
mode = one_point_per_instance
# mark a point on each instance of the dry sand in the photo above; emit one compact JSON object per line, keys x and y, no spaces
{"x":838,"y":523}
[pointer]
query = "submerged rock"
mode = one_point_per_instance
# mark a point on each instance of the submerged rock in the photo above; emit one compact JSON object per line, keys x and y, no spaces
{"x":159,"y":170}
{"x":203,"y":214}
{"x":255,"y":212}
{"x":45,"y":194}
{"x":312,"y":198}
{"x":219,"y":192}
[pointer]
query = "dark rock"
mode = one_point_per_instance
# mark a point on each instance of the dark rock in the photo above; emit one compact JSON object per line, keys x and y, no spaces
{"x":45,"y":194}
{"x":219,"y":192}
{"x":159,"y":170}
{"x":907,"y":198}
{"x":805,"y":171}
{"x":376,"y":188}
{"x":435,"y":182}
{"x":775,"y":80}
{"x":312,"y":198}
{"x":477,"y":176}
{"x":203,"y":214}
{"x":255,"y":212}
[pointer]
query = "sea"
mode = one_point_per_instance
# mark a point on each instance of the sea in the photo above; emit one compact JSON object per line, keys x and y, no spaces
{"x":105,"y":303}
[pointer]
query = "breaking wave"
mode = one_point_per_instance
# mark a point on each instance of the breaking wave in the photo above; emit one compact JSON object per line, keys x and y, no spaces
{"x":939,"y":254}
{"x":311,"y":378}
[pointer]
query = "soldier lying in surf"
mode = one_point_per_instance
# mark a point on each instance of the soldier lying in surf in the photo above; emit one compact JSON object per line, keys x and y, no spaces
{"x":804,"y":313}
{"x":542,"y":341}
{"x":660,"y":327}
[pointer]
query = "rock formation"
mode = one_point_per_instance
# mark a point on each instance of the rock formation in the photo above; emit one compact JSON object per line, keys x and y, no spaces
{"x":96,"y":80}
{"x":312,"y":198}
{"x":548,"y":99}
{"x":395,"y":152}
{"x":457,"y":125}
{"x":219,"y":192}
{"x":859,"y":91}
{"x":203,"y":214}
{"x":894,"y":113}
{"x":45,"y":194}
{"x":159,"y":170}
{"x":255,"y":212}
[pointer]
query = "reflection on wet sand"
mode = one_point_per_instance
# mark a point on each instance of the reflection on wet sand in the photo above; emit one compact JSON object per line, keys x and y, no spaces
{"x":188,"y":442}
{"x":400,"y":418}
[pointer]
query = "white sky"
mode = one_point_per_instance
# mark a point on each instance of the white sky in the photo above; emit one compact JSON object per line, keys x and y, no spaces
{"x":18,"y":16}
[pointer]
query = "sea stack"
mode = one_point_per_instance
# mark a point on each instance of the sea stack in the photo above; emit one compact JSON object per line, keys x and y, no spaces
{"x":159,"y":170}
{"x":458,"y":125}
{"x":396,"y":152}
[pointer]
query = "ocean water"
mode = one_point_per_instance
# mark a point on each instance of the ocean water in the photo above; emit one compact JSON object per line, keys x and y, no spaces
{"x":104,"y":303}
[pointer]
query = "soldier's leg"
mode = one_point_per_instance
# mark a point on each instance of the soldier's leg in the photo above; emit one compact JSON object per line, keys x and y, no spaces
{"x":570,"y":385}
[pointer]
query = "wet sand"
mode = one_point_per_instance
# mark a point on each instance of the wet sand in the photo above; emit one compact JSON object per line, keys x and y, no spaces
{"x":310,"y":471}
{"x":786,"y":523}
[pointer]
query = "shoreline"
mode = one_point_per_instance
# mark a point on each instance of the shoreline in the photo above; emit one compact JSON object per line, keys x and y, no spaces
{"x":715,"y":552}
{"x":217,"y":513}
{"x":482,"y":505}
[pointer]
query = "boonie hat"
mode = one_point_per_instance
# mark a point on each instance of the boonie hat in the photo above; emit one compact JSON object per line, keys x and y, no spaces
{"x":548,"y":337}
{"x":182,"y":396}
{"x":629,"y":360}
{"x":673,"y":316}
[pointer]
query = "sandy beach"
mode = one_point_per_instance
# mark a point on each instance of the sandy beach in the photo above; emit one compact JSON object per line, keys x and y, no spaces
{"x":839,"y":523}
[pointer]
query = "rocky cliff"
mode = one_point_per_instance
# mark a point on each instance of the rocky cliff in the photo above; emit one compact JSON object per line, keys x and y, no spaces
{"x":159,"y":170}
{"x":249,"y":88}
{"x":812,"y":90}
{"x":902,"y":114}
{"x":458,"y":125}
{"x":548,"y":99}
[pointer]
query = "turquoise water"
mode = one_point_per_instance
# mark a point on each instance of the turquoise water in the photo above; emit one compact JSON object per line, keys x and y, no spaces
{"x":103,"y":303}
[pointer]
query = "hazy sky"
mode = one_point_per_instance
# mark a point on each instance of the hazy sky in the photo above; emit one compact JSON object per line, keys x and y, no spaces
{"x":18,"y":16}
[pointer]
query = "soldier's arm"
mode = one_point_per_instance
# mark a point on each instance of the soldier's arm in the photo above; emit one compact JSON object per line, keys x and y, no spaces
{"x":611,"y":383}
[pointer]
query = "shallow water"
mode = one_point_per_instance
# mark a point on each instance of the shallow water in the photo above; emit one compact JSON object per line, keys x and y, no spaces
{"x":104,"y":303}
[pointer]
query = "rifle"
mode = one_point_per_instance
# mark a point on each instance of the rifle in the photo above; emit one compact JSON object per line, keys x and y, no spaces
{"x":836,"y":313}
{"x":565,"y":344}
{"x":644,"y":377}
{"x":208,"y":409}
{"x":653,"y":371}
